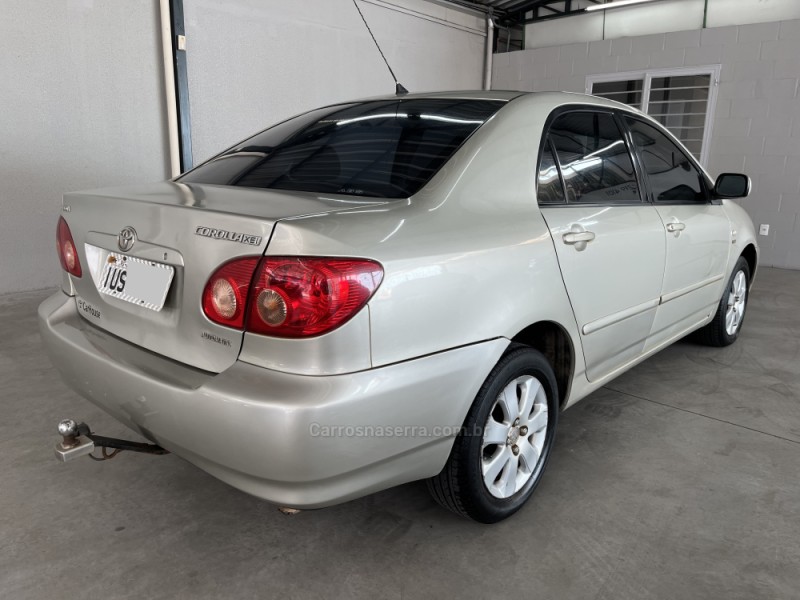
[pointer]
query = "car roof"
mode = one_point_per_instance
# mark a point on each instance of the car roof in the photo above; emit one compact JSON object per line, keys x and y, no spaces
{"x":463,"y":94}
{"x":553,"y":99}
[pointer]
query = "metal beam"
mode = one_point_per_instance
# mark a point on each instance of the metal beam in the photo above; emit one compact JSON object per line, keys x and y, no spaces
{"x":181,"y":83}
{"x":514,"y":12}
{"x":551,"y":9}
{"x":518,"y":14}
{"x":569,"y":10}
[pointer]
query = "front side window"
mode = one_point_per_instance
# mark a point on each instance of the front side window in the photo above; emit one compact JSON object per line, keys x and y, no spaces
{"x":380,"y":148}
{"x":594,"y":159}
{"x":670,"y":173}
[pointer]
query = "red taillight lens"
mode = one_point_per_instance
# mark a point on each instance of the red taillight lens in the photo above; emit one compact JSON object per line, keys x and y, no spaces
{"x":290,"y":297}
{"x":67,"y":252}
{"x":225,"y":293}
{"x":299,"y":297}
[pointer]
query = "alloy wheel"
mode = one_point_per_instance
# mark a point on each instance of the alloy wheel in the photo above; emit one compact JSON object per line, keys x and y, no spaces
{"x":514,"y":437}
{"x":737,"y":297}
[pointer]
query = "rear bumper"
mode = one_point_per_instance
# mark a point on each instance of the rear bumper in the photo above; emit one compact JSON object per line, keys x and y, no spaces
{"x":295,"y":440}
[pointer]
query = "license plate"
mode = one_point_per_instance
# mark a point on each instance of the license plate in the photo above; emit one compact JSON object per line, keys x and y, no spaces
{"x":141,"y":282}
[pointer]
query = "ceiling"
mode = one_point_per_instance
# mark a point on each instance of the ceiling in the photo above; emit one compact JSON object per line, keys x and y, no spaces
{"x":516,"y":12}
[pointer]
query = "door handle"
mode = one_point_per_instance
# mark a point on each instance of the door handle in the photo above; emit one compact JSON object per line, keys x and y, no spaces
{"x":576,"y":237}
{"x":675,"y":227}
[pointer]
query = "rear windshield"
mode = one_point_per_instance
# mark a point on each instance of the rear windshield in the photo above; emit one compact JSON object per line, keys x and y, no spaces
{"x":384,"y":148}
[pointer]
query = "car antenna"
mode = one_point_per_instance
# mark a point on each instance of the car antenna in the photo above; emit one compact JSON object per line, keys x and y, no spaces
{"x":400,"y":90}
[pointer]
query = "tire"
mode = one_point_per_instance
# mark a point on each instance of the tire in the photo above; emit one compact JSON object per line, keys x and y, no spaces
{"x":521,"y":378}
{"x":720,"y":331}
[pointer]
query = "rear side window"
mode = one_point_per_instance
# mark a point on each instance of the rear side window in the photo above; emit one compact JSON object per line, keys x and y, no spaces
{"x":384,"y":148}
{"x":670,"y":173}
{"x":594,"y":159}
{"x":550,"y":190}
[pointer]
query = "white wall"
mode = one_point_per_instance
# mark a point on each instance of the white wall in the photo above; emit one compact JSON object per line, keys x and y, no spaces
{"x":756,"y":127}
{"x":658,"y":17}
{"x":255,"y":62}
{"x":81,"y":102}
{"x":81,"y":90}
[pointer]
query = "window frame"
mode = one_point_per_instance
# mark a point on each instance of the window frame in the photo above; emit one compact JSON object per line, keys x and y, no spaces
{"x":644,"y":193}
{"x":647,"y":75}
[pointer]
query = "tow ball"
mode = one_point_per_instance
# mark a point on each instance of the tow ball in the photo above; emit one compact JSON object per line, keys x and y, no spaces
{"x":78,"y":440}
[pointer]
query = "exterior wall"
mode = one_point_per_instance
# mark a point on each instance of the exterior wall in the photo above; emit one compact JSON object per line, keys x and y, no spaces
{"x":253,"y":63}
{"x":660,"y":17}
{"x":81,"y":97}
{"x":81,"y":89}
{"x":756,"y":125}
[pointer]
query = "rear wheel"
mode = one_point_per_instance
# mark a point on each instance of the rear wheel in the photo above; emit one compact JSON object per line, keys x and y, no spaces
{"x":724,"y":329}
{"x":499,"y":457}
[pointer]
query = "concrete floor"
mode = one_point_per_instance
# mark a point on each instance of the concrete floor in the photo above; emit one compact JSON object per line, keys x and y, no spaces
{"x":680,"y":480}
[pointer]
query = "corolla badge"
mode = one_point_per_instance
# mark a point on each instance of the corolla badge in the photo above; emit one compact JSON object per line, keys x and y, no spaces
{"x":231,"y":236}
{"x":126,"y":238}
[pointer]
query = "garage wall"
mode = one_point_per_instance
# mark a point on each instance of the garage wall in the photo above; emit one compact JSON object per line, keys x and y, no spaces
{"x":660,"y":17}
{"x":255,"y":62}
{"x":756,"y":126}
{"x":81,"y":90}
{"x":81,"y":101}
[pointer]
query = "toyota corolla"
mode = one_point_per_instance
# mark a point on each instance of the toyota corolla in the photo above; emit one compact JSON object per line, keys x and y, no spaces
{"x":395,"y":289}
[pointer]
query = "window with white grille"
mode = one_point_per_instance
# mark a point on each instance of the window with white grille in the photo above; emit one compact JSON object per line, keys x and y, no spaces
{"x":682,"y":100}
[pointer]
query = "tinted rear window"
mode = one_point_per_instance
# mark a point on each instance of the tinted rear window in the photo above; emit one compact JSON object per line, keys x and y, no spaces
{"x":595,"y":162}
{"x":386,"y":148}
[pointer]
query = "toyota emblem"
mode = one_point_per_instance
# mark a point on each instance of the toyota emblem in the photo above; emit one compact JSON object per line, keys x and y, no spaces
{"x":126,"y":238}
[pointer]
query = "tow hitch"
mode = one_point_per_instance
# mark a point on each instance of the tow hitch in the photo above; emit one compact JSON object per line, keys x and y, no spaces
{"x":78,"y":440}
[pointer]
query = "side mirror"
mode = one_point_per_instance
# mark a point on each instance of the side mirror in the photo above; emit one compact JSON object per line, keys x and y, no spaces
{"x":732,"y":185}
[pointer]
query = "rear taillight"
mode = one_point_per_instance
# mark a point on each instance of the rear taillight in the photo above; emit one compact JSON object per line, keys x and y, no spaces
{"x":291,"y":297}
{"x":67,"y":252}
{"x":301,"y":297}
{"x":225,"y":294}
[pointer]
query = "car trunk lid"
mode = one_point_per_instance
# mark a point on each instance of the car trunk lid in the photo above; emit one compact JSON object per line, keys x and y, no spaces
{"x":180,"y":233}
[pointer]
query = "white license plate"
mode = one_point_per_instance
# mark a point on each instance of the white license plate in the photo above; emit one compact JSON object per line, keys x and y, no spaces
{"x":141,"y":282}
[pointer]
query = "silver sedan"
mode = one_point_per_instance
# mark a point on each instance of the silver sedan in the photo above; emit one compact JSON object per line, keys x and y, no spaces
{"x":395,"y":289}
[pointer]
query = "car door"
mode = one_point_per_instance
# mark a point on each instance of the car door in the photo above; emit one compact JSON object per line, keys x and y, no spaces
{"x":608,"y":239}
{"x":698,"y":231}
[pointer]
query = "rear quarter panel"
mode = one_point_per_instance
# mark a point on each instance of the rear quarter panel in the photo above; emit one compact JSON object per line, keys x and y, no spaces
{"x":467,"y":259}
